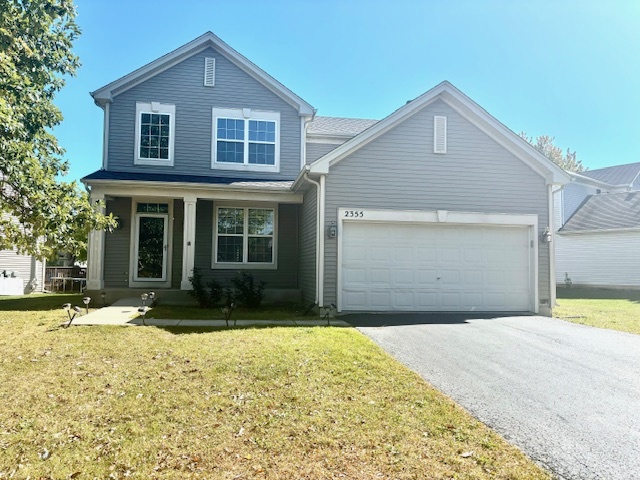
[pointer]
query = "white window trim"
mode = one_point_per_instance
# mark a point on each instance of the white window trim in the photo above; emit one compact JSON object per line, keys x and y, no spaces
{"x":245,"y":265}
{"x":154,"y":107}
{"x":245,"y":114}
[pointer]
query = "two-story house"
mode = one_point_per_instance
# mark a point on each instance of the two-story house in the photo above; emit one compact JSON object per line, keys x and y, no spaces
{"x":598,"y":221}
{"x":211,"y":163}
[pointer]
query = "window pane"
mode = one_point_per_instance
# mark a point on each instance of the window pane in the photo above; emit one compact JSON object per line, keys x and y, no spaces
{"x":231,"y":220}
{"x":230,"y":129}
{"x":229,"y":249}
{"x":153,"y":208}
{"x":260,"y":222}
{"x":262,"y":131}
{"x":154,"y":133}
{"x":262,"y":154}
{"x":260,"y":250}
{"x":230,"y":152}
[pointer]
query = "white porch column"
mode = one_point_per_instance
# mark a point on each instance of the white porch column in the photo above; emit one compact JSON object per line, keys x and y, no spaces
{"x":95,"y":251}
{"x":189,"y":242}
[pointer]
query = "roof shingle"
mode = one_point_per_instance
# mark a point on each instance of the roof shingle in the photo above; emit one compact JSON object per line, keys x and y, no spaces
{"x":616,"y":175}
{"x":339,"y":126}
{"x":606,"y":212}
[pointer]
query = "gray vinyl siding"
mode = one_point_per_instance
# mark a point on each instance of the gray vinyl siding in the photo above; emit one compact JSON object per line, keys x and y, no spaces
{"x":317,"y":150}
{"x":308,"y":232}
{"x":116,"y":245}
{"x":285,"y":276}
{"x":400,"y":171}
{"x":178,"y":242}
{"x":26,"y":267}
{"x":574,"y":194}
{"x":182,"y":86}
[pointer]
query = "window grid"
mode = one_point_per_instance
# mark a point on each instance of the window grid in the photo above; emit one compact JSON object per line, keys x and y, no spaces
{"x":251,"y":142}
{"x":154,"y":135}
{"x":245,"y":235}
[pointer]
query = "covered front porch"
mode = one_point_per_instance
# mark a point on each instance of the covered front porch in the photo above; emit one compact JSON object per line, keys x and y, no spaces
{"x":164,"y":232}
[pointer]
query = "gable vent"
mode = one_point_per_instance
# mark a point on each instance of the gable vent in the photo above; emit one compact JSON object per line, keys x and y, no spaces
{"x":209,"y":72}
{"x":439,"y":134}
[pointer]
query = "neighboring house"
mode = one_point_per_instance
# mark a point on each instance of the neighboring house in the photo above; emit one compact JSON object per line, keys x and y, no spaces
{"x":28,"y":269}
{"x":211,"y":163}
{"x":598,"y":215}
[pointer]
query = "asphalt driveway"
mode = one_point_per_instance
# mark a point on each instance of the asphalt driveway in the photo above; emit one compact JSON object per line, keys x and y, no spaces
{"x":566,"y":394}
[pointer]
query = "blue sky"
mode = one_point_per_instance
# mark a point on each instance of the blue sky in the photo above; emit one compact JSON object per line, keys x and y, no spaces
{"x":570,"y":69}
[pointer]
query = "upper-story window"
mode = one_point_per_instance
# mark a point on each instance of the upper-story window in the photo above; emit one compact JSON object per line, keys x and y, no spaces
{"x":155,"y":133}
{"x":245,"y":139}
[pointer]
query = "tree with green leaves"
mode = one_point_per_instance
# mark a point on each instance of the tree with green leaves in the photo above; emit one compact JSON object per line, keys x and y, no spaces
{"x":544,"y":144}
{"x":39,"y":213}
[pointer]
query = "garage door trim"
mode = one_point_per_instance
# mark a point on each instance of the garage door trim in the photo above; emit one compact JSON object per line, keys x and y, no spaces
{"x":443,"y":217}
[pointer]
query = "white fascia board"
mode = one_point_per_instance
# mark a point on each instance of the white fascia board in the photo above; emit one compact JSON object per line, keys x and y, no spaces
{"x":576,"y":177}
{"x":129,"y":188}
{"x":322,"y":164}
{"x":201,"y":43}
{"x":517,"y":145}
{"x":333,"y":139}
{"x":472,"y":112}
{"x":594,"y":232}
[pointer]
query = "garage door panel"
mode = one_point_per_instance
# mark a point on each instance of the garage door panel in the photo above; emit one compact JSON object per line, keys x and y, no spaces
{"x":434,"y":267}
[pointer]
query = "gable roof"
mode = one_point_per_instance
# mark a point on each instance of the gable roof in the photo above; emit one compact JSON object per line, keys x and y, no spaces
{"x":466,"y":107}
{"x":105,"y":94}
{"x":615,"y":175}
{"x":338,"y":126}
{"x":612,"y":211}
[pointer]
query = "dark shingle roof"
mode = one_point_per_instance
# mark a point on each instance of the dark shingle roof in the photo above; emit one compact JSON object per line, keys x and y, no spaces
{"x":173,"y":178}
{"x":339,"y":126}
{"x":606,"y":212}
{"x":616,"y":175}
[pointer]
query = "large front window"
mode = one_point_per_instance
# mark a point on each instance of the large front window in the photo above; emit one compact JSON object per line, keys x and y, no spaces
{"x":154,"y":134}
{"x":244,"y":139}
{"x":244,"y":235}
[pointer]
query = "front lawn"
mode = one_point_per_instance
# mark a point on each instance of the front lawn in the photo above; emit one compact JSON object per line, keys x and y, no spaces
{"x":613,"y":309}
{"x":273,"y":403}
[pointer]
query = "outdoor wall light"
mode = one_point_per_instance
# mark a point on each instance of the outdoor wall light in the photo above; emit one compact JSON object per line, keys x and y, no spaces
{"x":333,"y":230}
{"x":545,"y":236}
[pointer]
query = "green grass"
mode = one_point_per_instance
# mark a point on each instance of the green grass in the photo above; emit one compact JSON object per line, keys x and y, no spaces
{"x":283,"y":312}
{"x":603,"y":308}
{"x":272,"y":403}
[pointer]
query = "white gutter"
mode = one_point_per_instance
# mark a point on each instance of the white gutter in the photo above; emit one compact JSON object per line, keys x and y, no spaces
{"x":105,"y":136}
{"x":319,"y":236}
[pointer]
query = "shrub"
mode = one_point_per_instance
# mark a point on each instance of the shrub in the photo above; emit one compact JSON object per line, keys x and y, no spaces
{"x":249,"y":292}
{"x":209,"y":294}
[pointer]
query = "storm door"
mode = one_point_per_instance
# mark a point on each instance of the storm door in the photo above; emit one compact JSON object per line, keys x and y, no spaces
{"x":151,"y":244}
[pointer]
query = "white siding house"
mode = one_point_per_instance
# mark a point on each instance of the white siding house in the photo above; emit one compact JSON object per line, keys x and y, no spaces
{"x":598,"y":236}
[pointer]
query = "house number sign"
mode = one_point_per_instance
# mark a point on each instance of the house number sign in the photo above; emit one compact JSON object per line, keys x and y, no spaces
{"x":353,"y":214}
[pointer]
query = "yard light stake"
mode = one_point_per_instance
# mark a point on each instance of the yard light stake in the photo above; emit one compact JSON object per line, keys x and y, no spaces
{"x":144,"y":297}
{"x":143,"y":311}
{"x":86,"y":301}
{"x":104,"y":296}
{"x":67,"y":308}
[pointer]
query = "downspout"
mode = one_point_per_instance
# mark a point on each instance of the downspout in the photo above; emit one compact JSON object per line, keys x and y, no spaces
{"x":552,"y":251}
{"x":318,"y":232}
{"x":304,"y":124}
{"x":105,"y":136}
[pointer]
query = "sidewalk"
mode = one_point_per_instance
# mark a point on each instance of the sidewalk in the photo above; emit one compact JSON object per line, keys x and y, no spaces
{"x":125,"y":312}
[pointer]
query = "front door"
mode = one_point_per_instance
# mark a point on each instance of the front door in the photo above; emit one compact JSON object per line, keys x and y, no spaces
{"x":151,"y":247}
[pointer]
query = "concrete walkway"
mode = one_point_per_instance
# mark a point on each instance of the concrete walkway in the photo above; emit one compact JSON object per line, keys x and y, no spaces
{"x":125,"y":312}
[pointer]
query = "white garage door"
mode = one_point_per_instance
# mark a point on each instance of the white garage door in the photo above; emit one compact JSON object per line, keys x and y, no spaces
{"x":418,"y":267}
